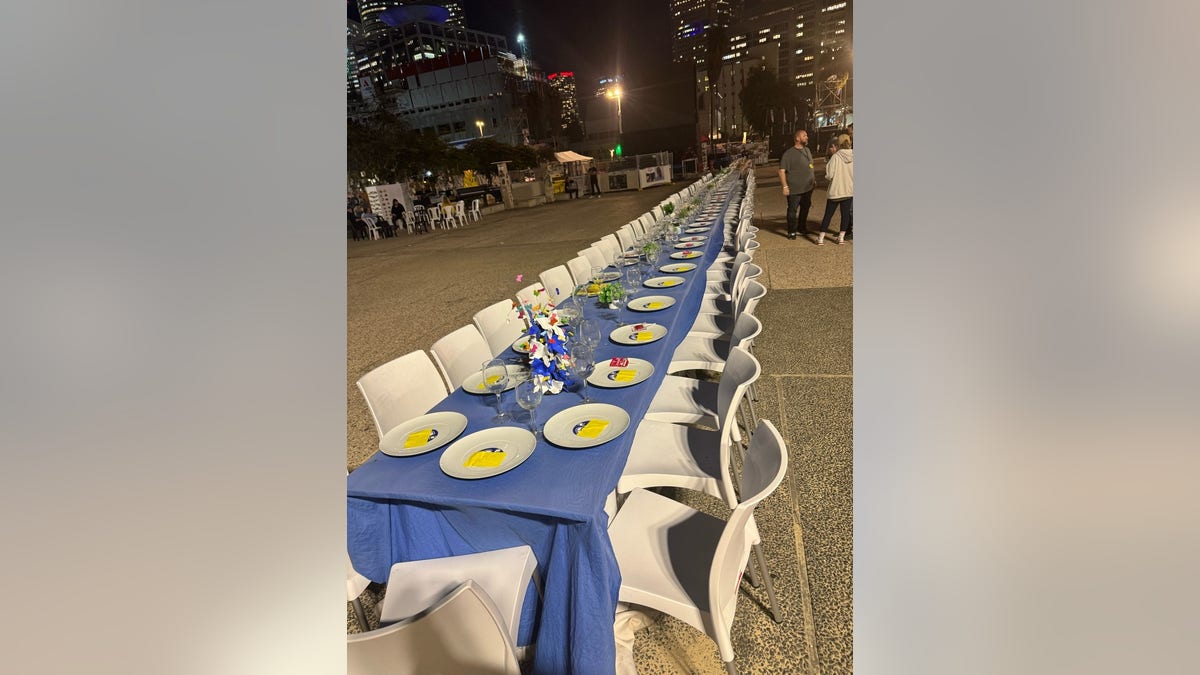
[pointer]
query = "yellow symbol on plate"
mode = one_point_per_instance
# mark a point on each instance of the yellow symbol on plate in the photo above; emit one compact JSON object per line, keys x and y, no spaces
{"x":625,"y":375}
{"x":642,"y":336}
{"x":418,"y":438}
{"x":592,"y":429}
{"x":485,"y":459}
{"x":653,"y":305}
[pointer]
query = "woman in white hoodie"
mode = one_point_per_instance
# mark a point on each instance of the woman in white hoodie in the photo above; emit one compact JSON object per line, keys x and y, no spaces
{"x":839,"y":171}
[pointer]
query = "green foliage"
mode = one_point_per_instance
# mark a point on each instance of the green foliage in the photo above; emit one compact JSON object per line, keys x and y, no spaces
{"x":764,"y":92}
{"x":610,"y":293}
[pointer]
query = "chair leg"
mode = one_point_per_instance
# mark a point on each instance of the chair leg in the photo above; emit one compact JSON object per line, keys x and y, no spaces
{"x":762,"y":563}
{"x":752,"y":572}
{"x":753,"y":415}
{"x":730,"y":668}
{"x":361,"y":615}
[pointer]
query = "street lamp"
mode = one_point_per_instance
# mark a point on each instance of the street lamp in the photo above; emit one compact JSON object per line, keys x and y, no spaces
{"x":479,"y":123}
{"x":615,"y":92}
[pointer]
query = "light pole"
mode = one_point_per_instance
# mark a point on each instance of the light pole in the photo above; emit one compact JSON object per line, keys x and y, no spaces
{"x":479,"y":123}
{"x":615,"y":92}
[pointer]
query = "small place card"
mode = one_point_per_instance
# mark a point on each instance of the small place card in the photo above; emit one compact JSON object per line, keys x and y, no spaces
{"x":643,"y":336}
{"x":618,"y":362}
{"x":654,"y":305}
{"x":625,"y":375}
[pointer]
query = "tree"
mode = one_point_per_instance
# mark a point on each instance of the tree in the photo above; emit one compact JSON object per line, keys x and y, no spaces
{"x":765,"y":95}
{"x":381,"y":147}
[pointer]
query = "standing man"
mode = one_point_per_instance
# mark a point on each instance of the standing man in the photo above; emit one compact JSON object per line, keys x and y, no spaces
{"x":593,"y":182}
{"x":796,"y":176}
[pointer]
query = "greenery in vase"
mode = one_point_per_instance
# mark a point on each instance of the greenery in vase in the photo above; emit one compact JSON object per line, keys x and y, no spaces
{"x":668,"y":208}
{"x":650,"y":250}
{"x":610,"y":293}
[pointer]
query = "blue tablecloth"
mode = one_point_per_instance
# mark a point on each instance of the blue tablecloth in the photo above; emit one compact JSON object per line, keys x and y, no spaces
{"x":405,"y":508}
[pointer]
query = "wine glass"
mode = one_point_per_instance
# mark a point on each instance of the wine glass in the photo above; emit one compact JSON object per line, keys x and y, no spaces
{"x":633,"y":279}
{"x":587,"y":333}
{"x":495,"y":379}
{"x":529,"y":396}
{"x":582,"y":366}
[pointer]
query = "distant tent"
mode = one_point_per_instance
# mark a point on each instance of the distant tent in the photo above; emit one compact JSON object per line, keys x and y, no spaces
{"x":570,"y":156}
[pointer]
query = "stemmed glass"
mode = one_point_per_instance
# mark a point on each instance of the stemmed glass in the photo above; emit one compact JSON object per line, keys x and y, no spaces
{"x":587,"y":333}
{"x":633,"y":280}
{"x":495,"y":379}
{"x":582,"y":366}
{"x":529,"y":396}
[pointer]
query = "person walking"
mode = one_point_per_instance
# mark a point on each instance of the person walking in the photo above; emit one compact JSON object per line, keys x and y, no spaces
{"x":796,"y":176}
{"x":839,"y":170}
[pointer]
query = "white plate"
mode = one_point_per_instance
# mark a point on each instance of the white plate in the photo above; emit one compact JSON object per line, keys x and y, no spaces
{"x":694,"y":238}
{"x":606,"y":421}
{"x":521,"y":345}
{"x":503,"y":448}
{"x":474,"y":382}
{"x":610,"y":276}
{"x":686,"y":255}
{"x":634,"y":371}
{"x":422,"y":434}
{"x":697,"y":230}
{"x":688,"y":244}
{"x":638,"y":333}
{"x":663,"y":282}
{"x":652,"y":303}
{"x":678,"y":268}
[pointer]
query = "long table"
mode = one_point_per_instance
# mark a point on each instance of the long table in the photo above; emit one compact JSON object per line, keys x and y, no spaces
{"x":406,"y":508}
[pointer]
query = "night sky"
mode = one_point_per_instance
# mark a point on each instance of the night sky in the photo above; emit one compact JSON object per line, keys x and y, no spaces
{"x":590,"y":37}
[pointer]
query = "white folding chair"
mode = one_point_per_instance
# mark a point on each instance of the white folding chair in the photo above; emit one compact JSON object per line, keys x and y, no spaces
{"x":686,"y":563}
{"x":720,"y":298}
{"x":463,"y":632}
{"x":402,"y":389}
{"x":595,"y":257}
{"x":500,"y":324}
{"x":460,"y":212}
{"x":372,"y":222}
{"x":581,"y":270}
{"x":504,"y":573}
{"x":611,"y":246}
{"x":434,"y":213}
{"x":475,"y":213}
{"x":701,"y":352}
{"x":532,"y":295}
{"x":558,"y":283}
{"x":460,"y":355}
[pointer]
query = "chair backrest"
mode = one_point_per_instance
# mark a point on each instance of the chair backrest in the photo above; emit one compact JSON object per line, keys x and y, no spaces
{"x":461,"y":354}
{"x":460,"y":208}
{"x":745,"y":273}
{"x":581,"y":269}
{"x":500,"y":325}
{"x":625,"y":237}
{"x":558,"y":282}
{"x":462,"y":633}
{"x":657,"y":212}
{"x":595,"y":257}
{"x":532,"y":295}
{"x":434,"y":213}
{"x":503,"y":573}
{"x":475,"y":205}
{"x":745,"y":329}
{"x":741,"y":370}
{"x":355,"y":582}
{"x":747,"y":300}
{"x":763,"y":471}
{"x":402,"y":389}
{"x":612,"y":245}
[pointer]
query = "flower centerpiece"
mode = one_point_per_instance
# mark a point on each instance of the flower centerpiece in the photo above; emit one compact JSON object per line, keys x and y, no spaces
{"x":668,"y":208}
{"x":548,"y":356}
{"x":650,"y":251}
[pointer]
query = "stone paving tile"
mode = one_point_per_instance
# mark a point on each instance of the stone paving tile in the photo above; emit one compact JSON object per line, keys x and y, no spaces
{"x":807,"y":331}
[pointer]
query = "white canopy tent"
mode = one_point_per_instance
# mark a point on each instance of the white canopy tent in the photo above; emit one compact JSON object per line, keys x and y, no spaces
{"x":570,"y":156}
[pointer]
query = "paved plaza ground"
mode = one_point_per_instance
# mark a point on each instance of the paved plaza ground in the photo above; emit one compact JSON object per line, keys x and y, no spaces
{"x":404,"y":293}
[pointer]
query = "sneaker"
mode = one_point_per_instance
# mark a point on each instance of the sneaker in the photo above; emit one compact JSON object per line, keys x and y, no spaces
{"x":821,"y":239}
{"x":791,"y":235}
{"x":841,"y":237}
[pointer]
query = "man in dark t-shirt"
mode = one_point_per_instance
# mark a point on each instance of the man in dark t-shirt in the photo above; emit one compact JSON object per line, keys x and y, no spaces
{"x":796,"y":176}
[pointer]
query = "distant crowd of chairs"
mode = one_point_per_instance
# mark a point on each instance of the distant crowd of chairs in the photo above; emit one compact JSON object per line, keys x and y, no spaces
{"x":420,"y":219}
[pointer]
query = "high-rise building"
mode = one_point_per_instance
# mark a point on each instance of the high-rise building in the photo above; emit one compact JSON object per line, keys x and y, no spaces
{"x":368,"y":15}
{"x":806,"y":43}
{"x":353,"y":34}
{"x":692,"y":21}
{"x":457,"y":18}
{"x":563,"y":84}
